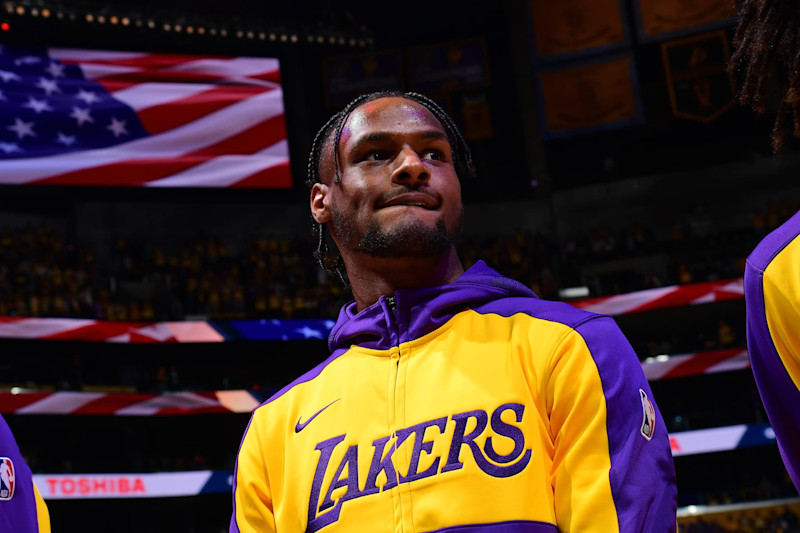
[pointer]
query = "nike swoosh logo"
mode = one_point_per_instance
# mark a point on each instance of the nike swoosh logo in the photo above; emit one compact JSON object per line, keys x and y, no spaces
{"x":301,"y":426}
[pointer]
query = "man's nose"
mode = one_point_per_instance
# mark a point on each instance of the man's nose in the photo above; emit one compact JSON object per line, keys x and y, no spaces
{"x":410,"y":168}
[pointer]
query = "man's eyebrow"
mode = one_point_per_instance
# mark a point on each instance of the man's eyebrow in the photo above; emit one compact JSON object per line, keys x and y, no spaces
{"x":379,"y":136}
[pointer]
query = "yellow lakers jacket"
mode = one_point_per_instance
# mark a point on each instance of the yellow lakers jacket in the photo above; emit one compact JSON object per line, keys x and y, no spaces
{"x":473,"y":407}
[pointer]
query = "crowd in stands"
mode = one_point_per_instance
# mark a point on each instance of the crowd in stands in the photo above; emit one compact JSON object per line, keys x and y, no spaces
{"x":45,"y":274}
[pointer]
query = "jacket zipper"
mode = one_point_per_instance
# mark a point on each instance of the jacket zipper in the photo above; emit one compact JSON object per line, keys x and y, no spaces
{"x":399,"y":514}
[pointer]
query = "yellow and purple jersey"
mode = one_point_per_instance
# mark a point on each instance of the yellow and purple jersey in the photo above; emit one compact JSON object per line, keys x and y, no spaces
{"x":473,"y":407}
{"x":22,"y":509}
{"x":772,"y":293}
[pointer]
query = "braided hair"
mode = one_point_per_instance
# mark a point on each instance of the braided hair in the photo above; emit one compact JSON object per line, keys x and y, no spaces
{"x":767,"y":37}
{"x":332,"y":131}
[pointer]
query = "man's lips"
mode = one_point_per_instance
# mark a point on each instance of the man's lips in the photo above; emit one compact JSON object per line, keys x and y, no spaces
{"x":412,"y":199}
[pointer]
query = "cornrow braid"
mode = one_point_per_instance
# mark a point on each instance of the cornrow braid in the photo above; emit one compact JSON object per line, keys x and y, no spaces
{"x":767,"y":39}
{"x":462,"y":159}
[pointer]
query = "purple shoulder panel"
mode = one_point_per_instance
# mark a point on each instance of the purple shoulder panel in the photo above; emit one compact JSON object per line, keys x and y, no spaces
{"x":773,"y":243}
{"x":17,"y":499}
{"x":642,"y":473}
{"x":511,"y":526}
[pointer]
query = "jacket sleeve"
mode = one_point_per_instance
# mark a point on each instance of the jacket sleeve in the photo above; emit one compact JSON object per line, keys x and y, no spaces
{"x":252,"y":495}
{"x":612,"y":465}
{"x":772,"y":296}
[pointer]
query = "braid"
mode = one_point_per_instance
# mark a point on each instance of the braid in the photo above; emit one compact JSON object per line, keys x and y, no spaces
{"x":767,"y":39}
{"x":332,"y":130}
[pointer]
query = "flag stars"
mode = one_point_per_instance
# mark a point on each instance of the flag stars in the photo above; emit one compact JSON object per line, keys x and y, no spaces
{"x":81,"y":115}
{"x":27,"y":60}
{"x":10,"y":148}
{"x":56,"y":70}
{"x":88,"y":96}
{"x":66,"y":140}
{"x":49,"y":86}
{"x":37,"y":105}
{"x":309,"y":333}
{"x":22,"y":129}
{"x":8,"y":76}
{"x":117,"y":127}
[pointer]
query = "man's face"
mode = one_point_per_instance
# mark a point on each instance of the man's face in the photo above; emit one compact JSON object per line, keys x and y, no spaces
{"x":399,"y":194}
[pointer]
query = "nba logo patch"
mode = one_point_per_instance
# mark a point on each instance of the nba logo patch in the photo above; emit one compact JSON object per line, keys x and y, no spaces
{"x":649,"y":420}
{"x":7,"y":482}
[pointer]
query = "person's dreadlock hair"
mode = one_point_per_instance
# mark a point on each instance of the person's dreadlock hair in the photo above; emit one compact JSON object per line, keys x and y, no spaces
{"x":767,"y":39}
{"x":332,"y":131}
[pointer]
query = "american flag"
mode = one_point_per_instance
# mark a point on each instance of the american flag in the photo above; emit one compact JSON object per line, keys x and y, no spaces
{"x":110,"y":118}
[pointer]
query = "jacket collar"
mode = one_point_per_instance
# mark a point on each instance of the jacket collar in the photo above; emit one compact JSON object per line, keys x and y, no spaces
{"x":416,"y":312}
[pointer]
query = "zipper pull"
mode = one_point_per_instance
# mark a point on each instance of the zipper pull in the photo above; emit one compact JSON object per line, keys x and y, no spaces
{"x":391,"y":302}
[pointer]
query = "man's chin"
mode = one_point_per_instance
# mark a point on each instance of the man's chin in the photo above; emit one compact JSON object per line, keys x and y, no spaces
{"x":412,"y":239}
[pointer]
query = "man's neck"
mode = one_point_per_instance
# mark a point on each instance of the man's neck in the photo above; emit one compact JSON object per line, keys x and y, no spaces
{"x":373,"y":277}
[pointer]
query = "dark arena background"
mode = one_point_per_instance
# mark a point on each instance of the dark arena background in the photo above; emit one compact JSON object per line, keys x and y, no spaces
{"x":156,"y":270}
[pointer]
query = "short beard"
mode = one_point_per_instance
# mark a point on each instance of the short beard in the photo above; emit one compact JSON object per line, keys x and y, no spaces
{"x":411,"y":239}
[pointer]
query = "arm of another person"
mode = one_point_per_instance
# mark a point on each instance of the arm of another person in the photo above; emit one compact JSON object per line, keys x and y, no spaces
{"x":772,"y":295}
{"x":612,"y":467}
{"x":253,"y":510}
{"x":22,"y":508}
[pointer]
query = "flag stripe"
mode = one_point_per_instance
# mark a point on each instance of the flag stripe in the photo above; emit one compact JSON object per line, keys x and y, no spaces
{"x":90,"y":332}
{"x":146,"y":95}
{"x":161,"y":76}
{"x":85,"y":55}
{"x":145,"y":61}
{"x":163,"y":117}
{"x":134,"y":172}
{"x":109,"y":403}
{"x":61,"y":403}
{"x":227,"y":170}
{"x":276,"y":176}
{"x":265,"y":69}
{"x":699,"y":365}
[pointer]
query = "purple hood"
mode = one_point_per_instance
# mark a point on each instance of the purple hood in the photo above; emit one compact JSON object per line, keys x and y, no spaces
{"x":417,"y":312}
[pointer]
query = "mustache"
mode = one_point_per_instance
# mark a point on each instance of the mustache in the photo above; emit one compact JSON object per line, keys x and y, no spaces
{"x":394,"y":193}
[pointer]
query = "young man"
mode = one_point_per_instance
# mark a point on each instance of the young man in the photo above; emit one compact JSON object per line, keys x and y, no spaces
{"x":452,"y":400}
{"x":22,"y":509}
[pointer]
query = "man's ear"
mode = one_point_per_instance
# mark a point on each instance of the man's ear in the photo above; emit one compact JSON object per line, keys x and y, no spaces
{"x":320,"y":203}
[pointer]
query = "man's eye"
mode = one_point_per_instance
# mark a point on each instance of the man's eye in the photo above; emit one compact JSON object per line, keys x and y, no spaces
{"x":375,"y":156}
{"x":433,"y":155}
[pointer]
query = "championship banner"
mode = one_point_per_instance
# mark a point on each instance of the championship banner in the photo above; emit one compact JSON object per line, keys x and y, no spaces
{"x":700,"y":86}
{"x":449,"y":67}
{"x":566,"y":29}
{"x":587,"y":97}
{"x":660,"y":19}
{"x":138,"y":119}
{"x":347,"y":77}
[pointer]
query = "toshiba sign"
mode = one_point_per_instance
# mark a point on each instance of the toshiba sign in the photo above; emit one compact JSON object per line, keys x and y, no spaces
{"x":94,"y":486}
{"x":80,"y":486}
